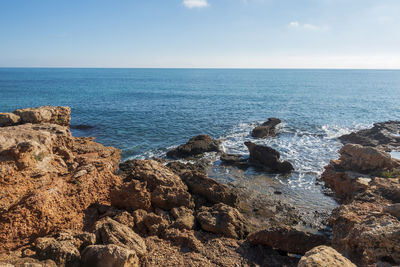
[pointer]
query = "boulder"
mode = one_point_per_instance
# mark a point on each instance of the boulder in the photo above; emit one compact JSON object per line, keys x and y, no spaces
{"x":109,"y":231}
{"x":222,"y":219}
{"x":267,"y":157}
{"x":287,"y":239}
{"x":166,"y":188}
{"x":45,"y":114}
{"x":195,"y":146}
{"x":234,"y":160}
{"x":131,"y":196}
{"x":199,"y":184}
{"x":64,"y":247}
{"x":393,"y":209}
{"x":384,"y":135}
{"x":110,"y":256}
{"x":267,"y":129}
{"x":9,"y":119}
{"x":184,"y":218}
{"x":322,"y":256}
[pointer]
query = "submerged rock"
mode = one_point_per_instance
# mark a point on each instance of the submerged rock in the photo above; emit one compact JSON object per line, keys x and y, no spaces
{"x":383,"y":135}
{"x":322,"y":256}
{"x":195,"y":146}
{"x":267,"y":157}
{"x":267,"y":129}
{"x":287,"y":239}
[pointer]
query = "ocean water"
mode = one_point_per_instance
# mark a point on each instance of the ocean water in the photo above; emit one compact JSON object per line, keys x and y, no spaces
{"x":145,"y":112}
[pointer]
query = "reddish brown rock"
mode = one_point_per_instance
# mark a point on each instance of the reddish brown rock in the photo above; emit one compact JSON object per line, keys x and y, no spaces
{"x":9,"y":119}
{"x":287,"y":239}
{"x":131,"y":196}
{"x":110,"y":256}
{"x":45,"y":114}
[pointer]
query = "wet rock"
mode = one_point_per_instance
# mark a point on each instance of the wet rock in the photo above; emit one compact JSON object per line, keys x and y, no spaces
{"x":110,"y":256}
{"x":45,"y":114}
{"x":199,"y":184}
{"x":109,"y":231}
{"x":9,"y":119}
{"x":234,"y":160}
{"x":267,"y":129}
{"x":267,"y":157}
{"x":287,"y":239}
{"x":223,"y":219}
{"x":180,"y":167}
{"x":384,"y":135}
{"x":131,"y":196}
{"x":322,"y":256}
{"x":166,"y":188}
{"x":195,"y":146}
{"x":64,"y":247}
{"x":81,"y":127}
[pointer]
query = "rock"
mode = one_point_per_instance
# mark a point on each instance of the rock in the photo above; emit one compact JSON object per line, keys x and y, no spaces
{"x":364,"y":234}
{"x":26,"y":262}
{"x":234,"y":160}
{"x":267,"y":129}
{"x":287,"y":239}
{"x":131,"y":196}
{"x":364,"y":159}
{"x":393,"y":209}
{"x":180,"y":167}
{"x":64,"y":247}
{"x":109,"y":231}
{"x":110,"y":256}
{"x":267,"y":157}
{"x":45,"y":114}
{"x":9,"y":119}
{"x":183,"y":238}
{"x":81,"y":127}
{"x":195,"y":146}
{"x":384,"y":135}
{"x":166,"y":188}
{"x":322,"y":256}
{"x":184,"y":218}
{"x":199,"y":184}
{"x":39,"y":193}
{"x":223,"y":219}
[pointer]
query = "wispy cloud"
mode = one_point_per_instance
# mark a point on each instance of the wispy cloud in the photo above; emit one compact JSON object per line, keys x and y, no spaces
{"x":195,"y":3}
{"x":298,"y":25}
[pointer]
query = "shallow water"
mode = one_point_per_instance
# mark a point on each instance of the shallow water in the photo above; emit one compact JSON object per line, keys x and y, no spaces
{"x":145,"y":112}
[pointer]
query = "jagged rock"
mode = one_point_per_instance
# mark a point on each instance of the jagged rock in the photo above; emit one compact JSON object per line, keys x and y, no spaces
{"x":166,"y":188}
{"x":322,"y":256}
{"x":180,"y":167}
{"x":64,"y":247}
{"x":39,"y":193}
{"x":9,"y":119}
{"x":223,"y":219}
{"x":110,"y":256}
{"x":383,"y":135}
{"x":267,"y":129}
{"x":131,"y":196}
{"x":287,"y":239}
{"x":364,"y":234}
{"x":125,"y":218}
{"x":234,"y":160}
{"x":267,"y":157}
{"x":195,"y":146}
{"x":209,"y":189}
{"x":45,"y":114}
{"x":183,"y":238}
{"x":184,"y":218}
{"x":109,"y":231}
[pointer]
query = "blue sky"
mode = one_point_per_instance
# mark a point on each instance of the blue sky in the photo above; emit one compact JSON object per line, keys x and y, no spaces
{"x":200,"y":33}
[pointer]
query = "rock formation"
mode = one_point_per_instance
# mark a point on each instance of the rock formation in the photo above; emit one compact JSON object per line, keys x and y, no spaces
{"x":322,"y":256}
{"x":267,"y":129}
{"x":195,"y":146}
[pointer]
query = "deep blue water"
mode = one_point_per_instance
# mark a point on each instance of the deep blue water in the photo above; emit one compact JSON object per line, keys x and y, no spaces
{"x":145,"y":111}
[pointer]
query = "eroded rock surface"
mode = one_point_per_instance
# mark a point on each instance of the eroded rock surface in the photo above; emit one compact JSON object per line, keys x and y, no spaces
{"x":322,"y":256}
{"x":45,"y":114}
{"x":195,"y":146}
{"x":267,"y":129}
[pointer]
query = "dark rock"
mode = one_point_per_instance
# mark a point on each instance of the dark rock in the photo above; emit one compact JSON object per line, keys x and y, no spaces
{"x":384,"y":135}
{"x":81,"y":127}
{"x":180,"y":167}
{"x":267,"y":157}
{"x":195,"y":146}
{"x":234,"y":160}
{"x":199,"y":184}
{"x":287,"y":239}
{"x":268,"y":128}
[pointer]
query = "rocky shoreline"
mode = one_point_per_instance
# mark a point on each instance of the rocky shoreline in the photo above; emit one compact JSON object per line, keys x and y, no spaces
{"x":68,"y":201}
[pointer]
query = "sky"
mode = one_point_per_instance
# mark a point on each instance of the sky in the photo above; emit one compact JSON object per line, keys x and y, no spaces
{"x":200,"y":33}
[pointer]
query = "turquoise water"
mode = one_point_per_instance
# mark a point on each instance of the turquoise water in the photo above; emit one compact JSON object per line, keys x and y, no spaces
{"x":146,"y":111}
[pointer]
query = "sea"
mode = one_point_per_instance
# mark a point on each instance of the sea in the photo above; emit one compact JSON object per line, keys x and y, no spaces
{"x":146,"y":112}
